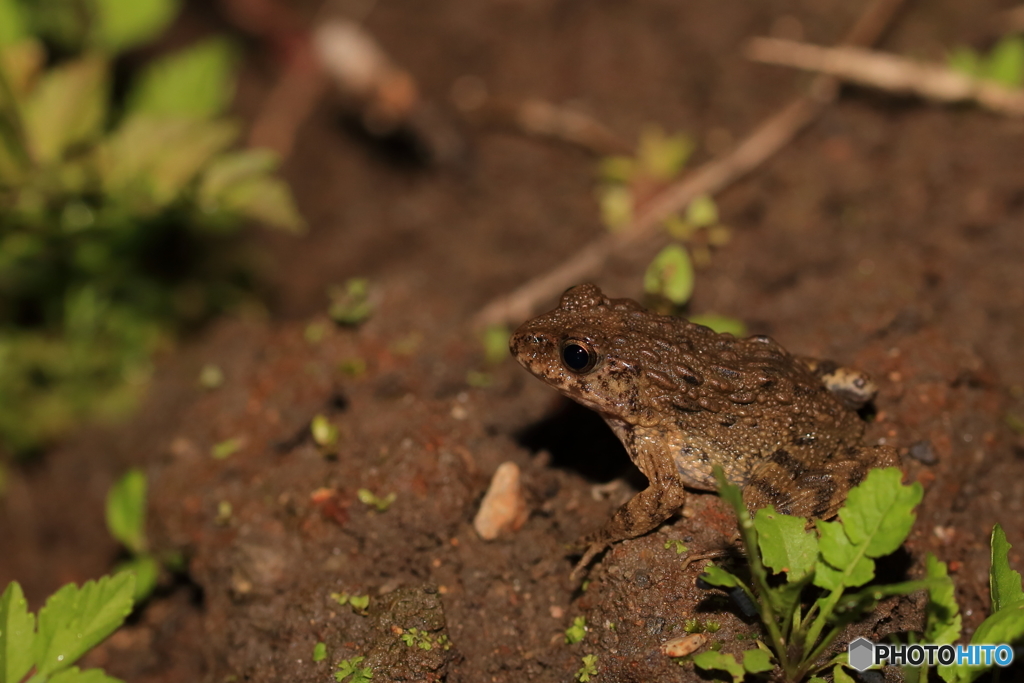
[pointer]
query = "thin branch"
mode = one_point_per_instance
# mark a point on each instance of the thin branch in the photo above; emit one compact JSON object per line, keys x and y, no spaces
{"x":889,"y":72}
{"x":770,"y":137}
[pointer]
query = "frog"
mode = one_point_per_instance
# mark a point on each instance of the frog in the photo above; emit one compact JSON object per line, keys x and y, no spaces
{"x":684,"y":399}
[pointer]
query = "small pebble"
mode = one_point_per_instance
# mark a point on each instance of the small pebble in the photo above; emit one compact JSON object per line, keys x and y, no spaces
{"x":503,"y":508}
{"x":680,"y":647}
{"x":923,"y":452}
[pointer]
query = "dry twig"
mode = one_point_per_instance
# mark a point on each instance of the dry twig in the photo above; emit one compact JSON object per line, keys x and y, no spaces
{"x":771,"y":136}
{"x":889,"y":72}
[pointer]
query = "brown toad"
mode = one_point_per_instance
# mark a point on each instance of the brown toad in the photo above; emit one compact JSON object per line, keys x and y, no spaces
{"x":683,"y":398}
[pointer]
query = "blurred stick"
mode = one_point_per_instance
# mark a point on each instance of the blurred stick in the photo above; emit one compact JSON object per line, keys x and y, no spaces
{"x":770,"y":137}
{"x":889,"y":72}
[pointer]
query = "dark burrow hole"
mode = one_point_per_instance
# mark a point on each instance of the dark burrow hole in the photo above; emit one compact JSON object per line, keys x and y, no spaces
{"x":579,"y":440}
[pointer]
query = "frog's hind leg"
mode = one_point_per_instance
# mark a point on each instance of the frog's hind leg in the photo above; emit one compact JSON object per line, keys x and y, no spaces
{"x":853,"y":388}
{"x":795,"y":489}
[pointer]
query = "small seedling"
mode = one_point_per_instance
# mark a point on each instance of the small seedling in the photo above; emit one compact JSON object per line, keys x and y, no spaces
{"x":838,"y":559}
{"x":73,"y":621}
{"x":126,"y":522}
{"x":319,"y":652}
{"x":380,"y":504}
{"x":677,"y":545}
{"x":350,"y":667}
{"x":670,"y":275}
{"x":358,"y":603}
{"x":211,"y":377}
{"x":325,"y":434}
{"x":352,"y":367}
{"x":415,"y":637}
{"x":588,"y":670}
{"x":494,"y":339}
{"x":350,"y":303}
{"x":225,"y":449}
{"x":224,"y":512}
{"x":577,"y":632}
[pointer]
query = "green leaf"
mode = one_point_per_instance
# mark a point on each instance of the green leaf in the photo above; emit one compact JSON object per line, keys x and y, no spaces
{"x":74,"y":675}
{"x":146,"y":570}
{"x":1004,"y":582}
{"x":66,"y":107}
{"x":1004,"y":626}
{"x":717,"y":576}
{"x":670,"y":275}
{"x":225,"y":449}
{"x":118,"y":25}
{"x":713,"y":659}
{"x":319,"y":652}
{"x":324,"y":432}
{"x":942,"y":614}
{"x":879,"y":513}
{"x":757,"y":661}
{"x":1005,"y":63}
{"x":720,"y":323}
{"x":266,"y":199}
{"x":350,"y":303}
{"x":194,"y":82}
{"x":702,"y":212}
{"x":617,"y":169}
{"x":126,"y":511}
{"x":616,"y":206}
{"x":74,"y":620}
{"x":663,"y":156}
{"x":17,"y":630}
{"x":786,"y":545}
{"x":839,"y":675}
{"x":844,"y":564}
{"x":149,"y":161}
{"x":577,"y":632}
{"x":495,"y":342}
{"x":13,"y":26}
{"x":230,"y":169}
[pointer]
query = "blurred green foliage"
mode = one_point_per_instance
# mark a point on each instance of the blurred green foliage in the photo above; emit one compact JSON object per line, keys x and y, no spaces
{"x":115,"y":213}
{"x":1004,"y":64}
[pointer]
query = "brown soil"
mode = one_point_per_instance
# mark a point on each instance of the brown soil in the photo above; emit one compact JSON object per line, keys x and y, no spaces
{"x":889,"y":237}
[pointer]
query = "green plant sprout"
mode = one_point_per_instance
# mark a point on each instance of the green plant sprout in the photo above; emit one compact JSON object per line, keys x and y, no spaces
{"x":350,"y":667}
{"x":577,"y":632}
{"x":838,"y":559}
{"x":126,"y":521}
{"x":415,"y":637}
{"x":698,"y":626}
{"x":319,"y":652}
{"x":358,"y":603}
{"x":675,"y":544}
{"x":1004,"y":64}
{"x":73,"y":621}
{"x":225,"y":449}
{"x":378,"y":503}
{"x":115,"y":218}
{"x":350,"y":303}
{"x":325,"y":434}
{"x":588,"y":670}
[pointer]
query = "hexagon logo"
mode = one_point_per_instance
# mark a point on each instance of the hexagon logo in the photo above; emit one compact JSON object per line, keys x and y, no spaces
{"x":862,"y":654}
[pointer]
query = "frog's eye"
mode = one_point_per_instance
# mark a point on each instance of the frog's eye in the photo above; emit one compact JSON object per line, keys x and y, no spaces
{"x":578,"y":356}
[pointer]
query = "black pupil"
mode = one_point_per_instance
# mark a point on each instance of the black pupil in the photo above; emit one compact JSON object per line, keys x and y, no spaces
{"x":575,"y":356}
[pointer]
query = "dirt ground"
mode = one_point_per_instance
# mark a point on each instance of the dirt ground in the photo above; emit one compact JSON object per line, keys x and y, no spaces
{"x":889,"y":236}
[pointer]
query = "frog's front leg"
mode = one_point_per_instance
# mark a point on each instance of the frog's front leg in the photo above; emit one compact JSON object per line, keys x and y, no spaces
{"x":643,"y":512}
